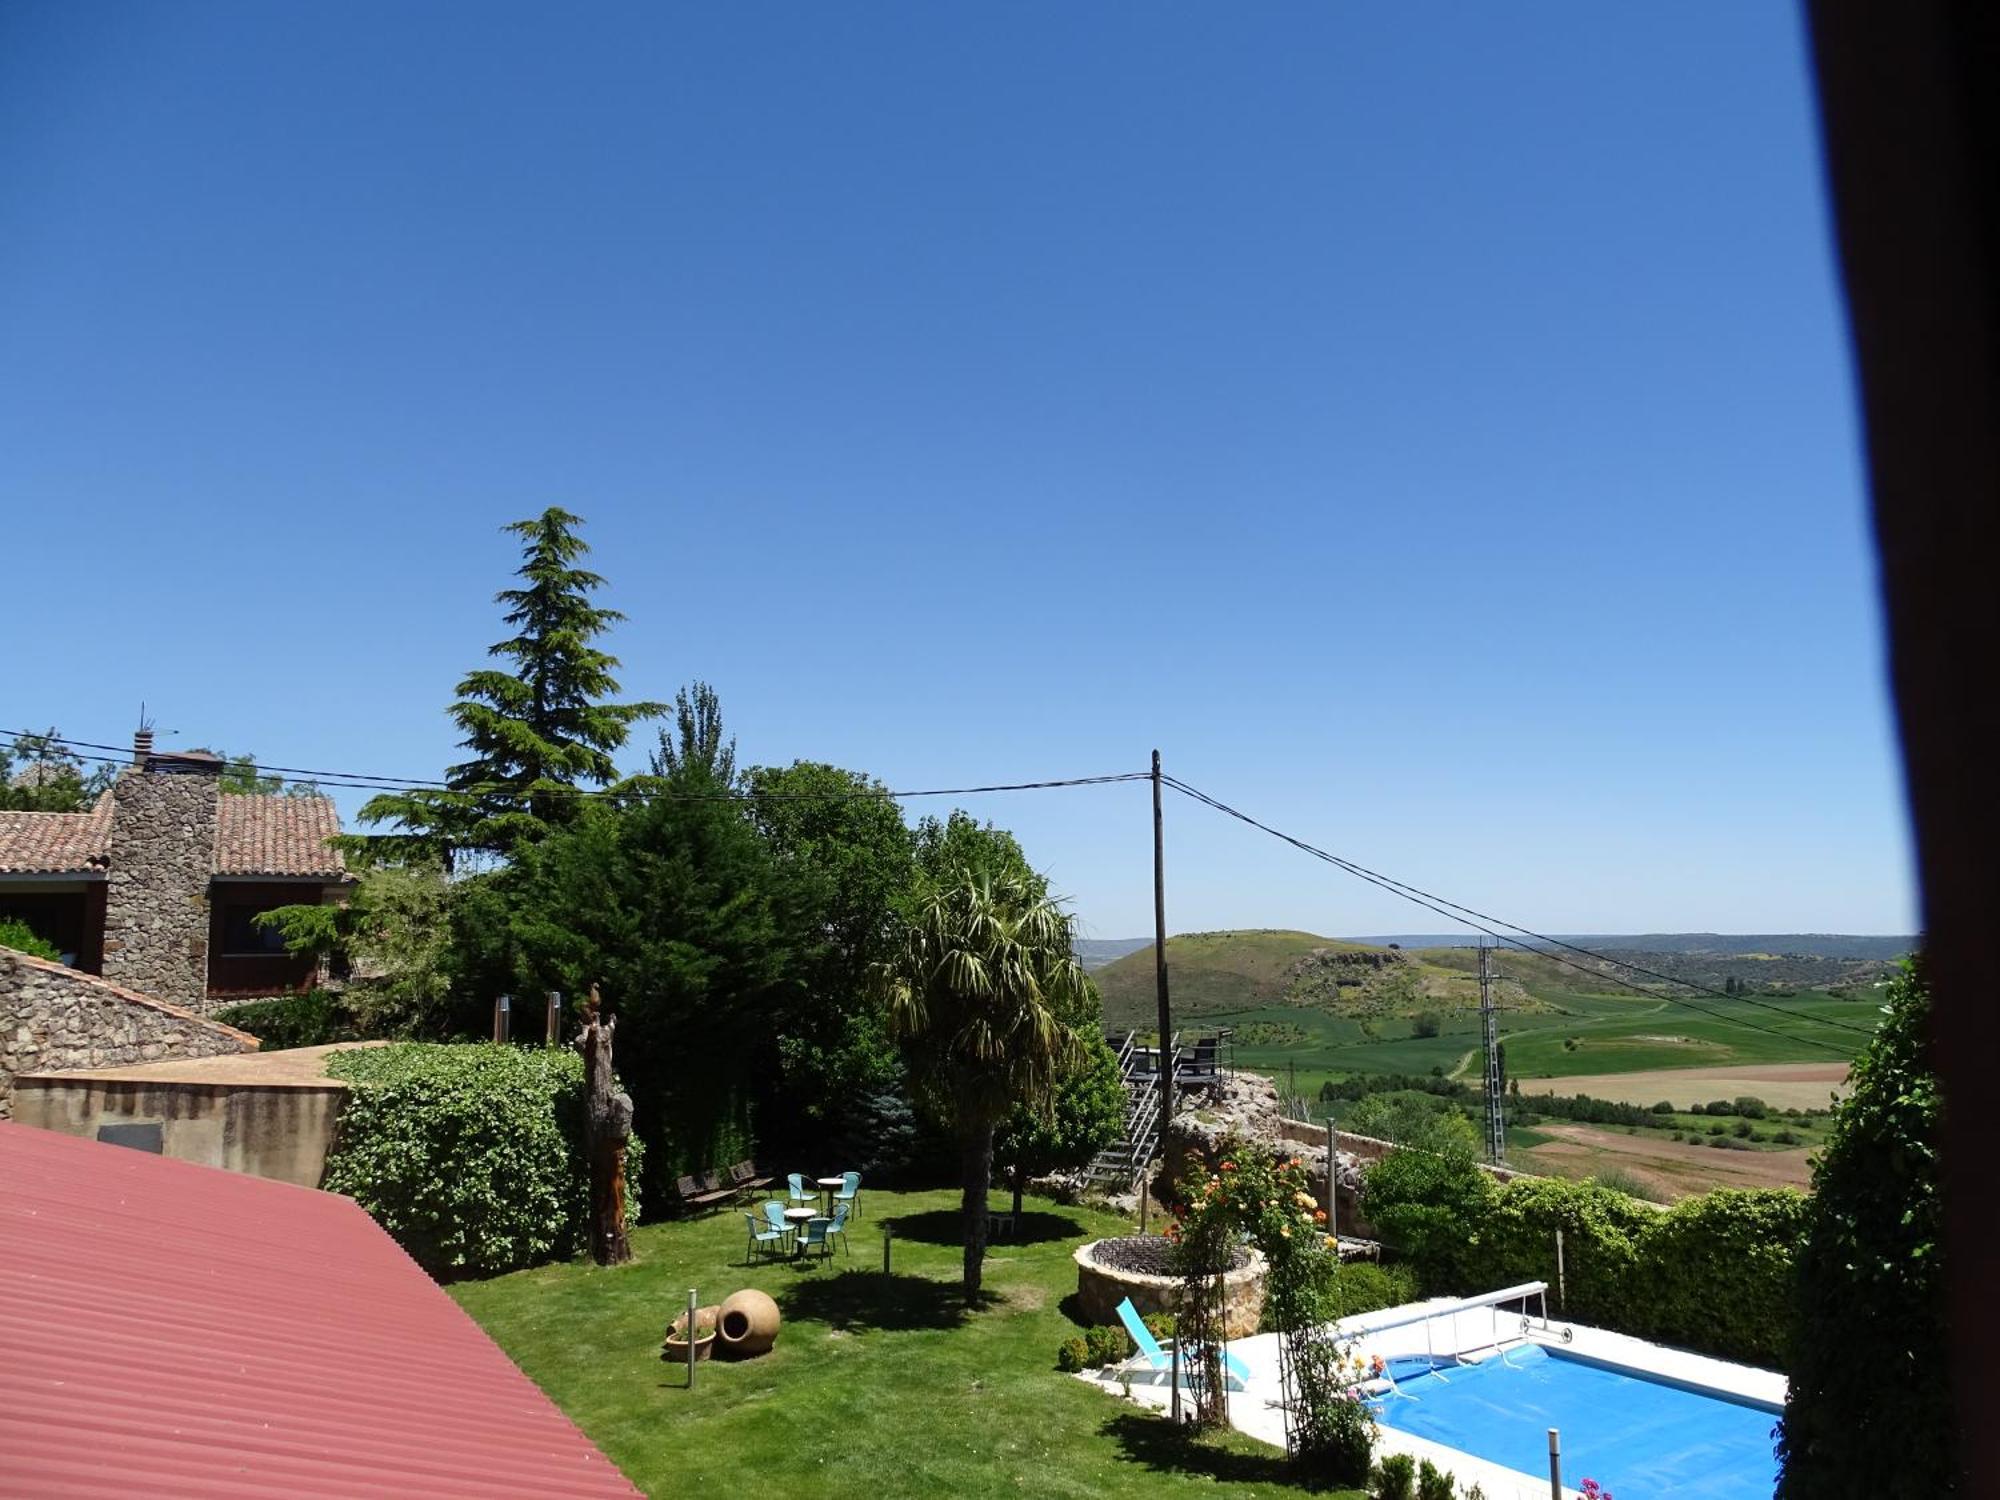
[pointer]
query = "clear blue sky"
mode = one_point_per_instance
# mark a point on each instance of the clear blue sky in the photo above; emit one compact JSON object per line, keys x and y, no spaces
{"x":1431,"y":426}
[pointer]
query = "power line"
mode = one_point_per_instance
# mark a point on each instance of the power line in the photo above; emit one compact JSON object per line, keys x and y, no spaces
{"x":1467,"y":916}
{"x":368,"y":781}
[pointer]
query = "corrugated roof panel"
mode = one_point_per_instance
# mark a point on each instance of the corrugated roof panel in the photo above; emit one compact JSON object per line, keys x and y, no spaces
{"x":175,"y":1330}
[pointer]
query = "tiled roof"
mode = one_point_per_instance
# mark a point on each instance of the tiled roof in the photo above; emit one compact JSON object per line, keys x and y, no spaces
{"x":276,"y":836}
{"x":40,"y":843}
{"x":254,"y":835}
{"x":176,"y":1330}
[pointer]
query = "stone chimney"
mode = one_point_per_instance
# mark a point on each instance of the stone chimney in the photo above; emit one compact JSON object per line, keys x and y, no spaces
{"x":163,"y":812}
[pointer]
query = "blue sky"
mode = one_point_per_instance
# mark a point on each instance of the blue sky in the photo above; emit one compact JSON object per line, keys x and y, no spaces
{"x":1431,"y":426}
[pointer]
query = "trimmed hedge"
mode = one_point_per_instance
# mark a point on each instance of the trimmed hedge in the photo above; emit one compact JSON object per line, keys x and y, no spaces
{"x":471,"y":1155}
{"x":1714,"y":1273}
{"x":311,"y":1019}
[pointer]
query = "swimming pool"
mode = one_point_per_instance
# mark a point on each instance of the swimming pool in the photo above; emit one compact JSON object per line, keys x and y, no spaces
{"x":1643,"y":1439}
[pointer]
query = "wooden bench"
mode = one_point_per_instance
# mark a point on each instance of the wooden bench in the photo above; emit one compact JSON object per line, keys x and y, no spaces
{"x":703,"y":1191}
{"x":745,"y":1178}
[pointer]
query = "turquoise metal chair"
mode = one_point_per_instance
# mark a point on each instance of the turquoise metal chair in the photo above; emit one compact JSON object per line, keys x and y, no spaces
{"x":774,"y":1214}
{"x":765,"y":1238}
{"x":1237,"y":1374}
{"x":850,"y":1192}
{"x":836,"y":1229}
{"x":817,"y":1235}
{"x":800,"y":1192}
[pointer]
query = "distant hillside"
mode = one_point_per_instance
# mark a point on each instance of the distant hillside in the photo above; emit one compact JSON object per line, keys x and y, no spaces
{"x":1806,"y":944}
{"x":1248,"y":970}
{"x":1095,"y":953}
{"x":1210,"y":972}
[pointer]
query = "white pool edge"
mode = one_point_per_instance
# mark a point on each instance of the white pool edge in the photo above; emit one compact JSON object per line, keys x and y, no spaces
{"x":1253,"y":1410}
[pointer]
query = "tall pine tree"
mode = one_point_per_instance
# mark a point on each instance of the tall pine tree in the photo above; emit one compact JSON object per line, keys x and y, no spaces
{"x":538,"y":731}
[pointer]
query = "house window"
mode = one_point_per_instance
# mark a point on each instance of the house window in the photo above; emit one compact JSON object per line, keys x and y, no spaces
{"x":243,"y":937}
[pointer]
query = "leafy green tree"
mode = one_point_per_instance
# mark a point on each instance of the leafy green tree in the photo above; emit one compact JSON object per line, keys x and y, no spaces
{"x":1869,"y":1352}
{"x":391,"y":941}
{"x":1085,"y":1114}
{"x":677,"y":908}
{"x":40,"y":774}
{"x":844,"y":847}
{"x":696,"y":743}
{"x":538,"y":732}
{"x":947,"y":847}
{"x":1422,"y":1200}
{"x":977,"y":995}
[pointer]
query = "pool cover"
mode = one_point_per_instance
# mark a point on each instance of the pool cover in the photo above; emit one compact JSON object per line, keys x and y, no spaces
{"x":1641,"y":1439}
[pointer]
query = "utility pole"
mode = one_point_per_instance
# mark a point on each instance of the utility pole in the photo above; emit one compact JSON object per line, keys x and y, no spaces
{"x":1496,"y":1124}
{"x":1166,"y":1073}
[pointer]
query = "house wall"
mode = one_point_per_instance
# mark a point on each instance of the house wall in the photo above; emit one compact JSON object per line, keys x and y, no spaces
{"x":52,"y":1017}
{"x":283,"y":1133}
{"x":156,"y":912}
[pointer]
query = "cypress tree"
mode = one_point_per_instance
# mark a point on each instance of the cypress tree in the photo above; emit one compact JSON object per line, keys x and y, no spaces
{"x":539,"y":729}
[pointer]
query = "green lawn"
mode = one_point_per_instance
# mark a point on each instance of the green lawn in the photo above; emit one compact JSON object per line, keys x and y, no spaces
{"x":879,"y":1386}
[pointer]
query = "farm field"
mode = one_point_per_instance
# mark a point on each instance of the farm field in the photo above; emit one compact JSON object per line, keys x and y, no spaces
{"x":1672,"y":1169}
{"x":1781,"y":1085}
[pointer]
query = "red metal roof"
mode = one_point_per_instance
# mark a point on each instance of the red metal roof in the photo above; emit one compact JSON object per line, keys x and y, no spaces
{"x":175,"y":1330}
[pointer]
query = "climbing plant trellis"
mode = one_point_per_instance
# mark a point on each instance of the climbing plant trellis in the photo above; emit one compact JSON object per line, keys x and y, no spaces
{"x":1267,"y":1202}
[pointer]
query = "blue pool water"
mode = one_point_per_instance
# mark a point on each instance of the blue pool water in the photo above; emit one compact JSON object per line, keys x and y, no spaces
{"x":1640,"y":1439}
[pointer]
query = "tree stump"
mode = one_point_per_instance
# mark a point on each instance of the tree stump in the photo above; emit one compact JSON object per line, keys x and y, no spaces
{"x":607,"y":1121}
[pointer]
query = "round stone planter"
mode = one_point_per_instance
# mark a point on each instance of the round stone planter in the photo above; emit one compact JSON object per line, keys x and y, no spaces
{"x":1101,"y":1286}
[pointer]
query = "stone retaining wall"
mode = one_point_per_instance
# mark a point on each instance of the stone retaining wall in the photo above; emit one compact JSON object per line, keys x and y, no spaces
{"x":52,"y":1018}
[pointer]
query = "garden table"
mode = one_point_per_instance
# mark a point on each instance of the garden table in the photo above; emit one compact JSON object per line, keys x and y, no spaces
{"x":798,"y":1218}
{"x":828,"y":1186}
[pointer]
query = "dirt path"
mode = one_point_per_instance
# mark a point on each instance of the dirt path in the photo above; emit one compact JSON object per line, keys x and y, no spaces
{"x":1783,"y":1085}
{"x":1673,"y":1167}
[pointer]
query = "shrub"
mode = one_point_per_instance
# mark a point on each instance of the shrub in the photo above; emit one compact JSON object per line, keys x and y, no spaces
{"x":1716,"y":1273}
{"x":1718,"y":1130}
{"x":1426,"y":1025}
{"x":1106,"y":1345}
{"x":309,"y":1020}
{"x":22,"y":939}
{"x":1621,"y":1181}
{"x":1868,"y":1348}
{"x":1751,"y":1107}
{"x":1742,"y":1129}
{"x":1721,"y":1107}
{"x":1664,"y":1107}
{"x":1786,"y":1137}
{"x":1394,"y":1478}
{"x":1421,"y":1202}
{"x":1361,"y":1286}
{"x":470,"y":1155}
{"x":1073,"y":1356}
{"x":1433,"y":1483}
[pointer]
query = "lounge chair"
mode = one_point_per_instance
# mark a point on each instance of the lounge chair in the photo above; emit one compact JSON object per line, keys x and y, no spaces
{"x":1158,"y":1358}
{"x":849,"y":1192}
{"x":765,"y":1237}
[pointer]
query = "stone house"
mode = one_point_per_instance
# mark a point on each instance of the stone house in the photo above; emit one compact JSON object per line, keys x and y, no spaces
{"x":156,"y":887}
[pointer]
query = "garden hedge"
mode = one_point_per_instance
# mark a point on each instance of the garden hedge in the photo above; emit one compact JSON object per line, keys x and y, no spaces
{"x":470,"y":1155}
{"x":1713,"y":1273}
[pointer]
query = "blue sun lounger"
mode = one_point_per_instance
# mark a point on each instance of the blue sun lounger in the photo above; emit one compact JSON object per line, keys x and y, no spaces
{"x":1238,"y":1373}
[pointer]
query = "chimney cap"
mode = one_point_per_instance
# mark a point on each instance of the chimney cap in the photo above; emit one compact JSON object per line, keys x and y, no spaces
{"x":184,"y":763}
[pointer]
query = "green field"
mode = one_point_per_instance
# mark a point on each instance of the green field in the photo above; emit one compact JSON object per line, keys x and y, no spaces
{"x":885,"y":1386}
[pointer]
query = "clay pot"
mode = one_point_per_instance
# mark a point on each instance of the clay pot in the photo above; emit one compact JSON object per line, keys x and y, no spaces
{"x":674,"y":1347}
{"x":749,"y":1323}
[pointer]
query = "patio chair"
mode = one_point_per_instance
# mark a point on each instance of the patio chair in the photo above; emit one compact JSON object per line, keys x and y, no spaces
{"x":836,"y":1229}
{"x":819,"y":1234}
{"x":800,"y":1190}
{"x":849,"y":1193}
{"x":1236,"y":1374}
{"x":774,"y":1215}
{"x":765,"y":1237}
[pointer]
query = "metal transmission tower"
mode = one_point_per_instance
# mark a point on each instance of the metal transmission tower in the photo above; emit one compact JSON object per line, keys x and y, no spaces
{"x":1496,"y":1124}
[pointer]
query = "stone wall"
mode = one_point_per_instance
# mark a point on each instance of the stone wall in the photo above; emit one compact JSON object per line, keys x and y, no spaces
{"x":53,"y":1018}
{"x":162,"y":854}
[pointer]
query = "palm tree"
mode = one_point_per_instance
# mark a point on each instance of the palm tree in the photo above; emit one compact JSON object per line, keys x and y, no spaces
{"x":978,"y":995}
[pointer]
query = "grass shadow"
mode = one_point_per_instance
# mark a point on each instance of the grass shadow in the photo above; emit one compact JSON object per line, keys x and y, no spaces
{"x":943,"y":1226}
{"x":1157,"y":1444}
{"x":861,"y":1301}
